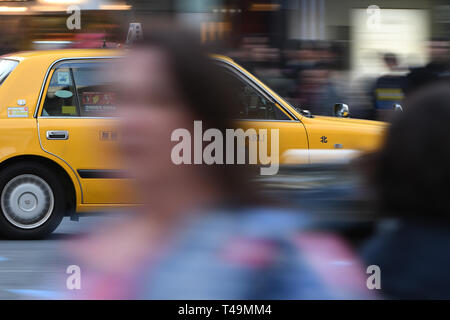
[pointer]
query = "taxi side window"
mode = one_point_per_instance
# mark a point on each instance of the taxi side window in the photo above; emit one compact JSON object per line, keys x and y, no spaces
{"x":95,"y":91}
{"x":60,"y":100}
{"x":252,"y":105}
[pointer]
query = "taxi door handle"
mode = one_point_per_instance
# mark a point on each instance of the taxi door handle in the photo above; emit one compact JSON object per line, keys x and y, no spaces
{"x":57,"y":135}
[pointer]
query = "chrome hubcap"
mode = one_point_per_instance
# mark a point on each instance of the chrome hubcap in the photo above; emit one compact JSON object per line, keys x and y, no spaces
{"x":27,"y":201}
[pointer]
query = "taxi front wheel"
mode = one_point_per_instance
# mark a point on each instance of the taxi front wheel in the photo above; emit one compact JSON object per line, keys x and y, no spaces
{"x":32,"y":201}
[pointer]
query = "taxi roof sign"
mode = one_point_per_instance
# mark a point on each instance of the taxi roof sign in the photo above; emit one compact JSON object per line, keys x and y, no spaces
{"x":135,"y":33}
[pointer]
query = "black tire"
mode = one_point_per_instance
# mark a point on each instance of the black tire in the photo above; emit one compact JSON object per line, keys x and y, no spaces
{"x":20,"y":175}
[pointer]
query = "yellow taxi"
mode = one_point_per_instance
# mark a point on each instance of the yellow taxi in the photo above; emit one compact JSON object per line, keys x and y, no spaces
{"x":58,"y":139}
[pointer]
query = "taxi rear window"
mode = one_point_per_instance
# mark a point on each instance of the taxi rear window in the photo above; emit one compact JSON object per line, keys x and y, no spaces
{"x":6,"y":67}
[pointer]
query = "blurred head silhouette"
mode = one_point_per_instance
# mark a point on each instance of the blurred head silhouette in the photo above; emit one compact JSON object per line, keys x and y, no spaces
{"x":412,"y":171}
{"x":168,"y":82}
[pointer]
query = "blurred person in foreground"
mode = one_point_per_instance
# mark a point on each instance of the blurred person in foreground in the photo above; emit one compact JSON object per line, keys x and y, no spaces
{"x":202,"y":232}
{"x":411,"y":176}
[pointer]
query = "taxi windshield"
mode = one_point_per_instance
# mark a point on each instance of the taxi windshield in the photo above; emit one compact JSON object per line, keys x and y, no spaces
{"x":6,"y":67}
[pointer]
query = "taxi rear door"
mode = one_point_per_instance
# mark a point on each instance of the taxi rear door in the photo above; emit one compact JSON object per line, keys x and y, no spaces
{"x":76,"y":123}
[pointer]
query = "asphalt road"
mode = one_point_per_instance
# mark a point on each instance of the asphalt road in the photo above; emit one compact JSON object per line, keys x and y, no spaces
{"x":37,"y":270}
{"x":34,"y":269}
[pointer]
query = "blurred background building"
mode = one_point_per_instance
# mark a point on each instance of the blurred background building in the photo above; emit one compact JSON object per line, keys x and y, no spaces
{"x":280,"y":20}
{"x":334,"y":50}
{"x":25,"y":21}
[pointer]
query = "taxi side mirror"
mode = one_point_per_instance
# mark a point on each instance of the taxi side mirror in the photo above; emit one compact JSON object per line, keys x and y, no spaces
{"x":341,"y":110}
{"x":398,"y":107}
{"x":304,"y":112}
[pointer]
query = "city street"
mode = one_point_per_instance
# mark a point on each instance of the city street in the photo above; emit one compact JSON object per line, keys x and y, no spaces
{"x":224,"y":150}
{"x":33,"y":269}
{"x":36,"y":269}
